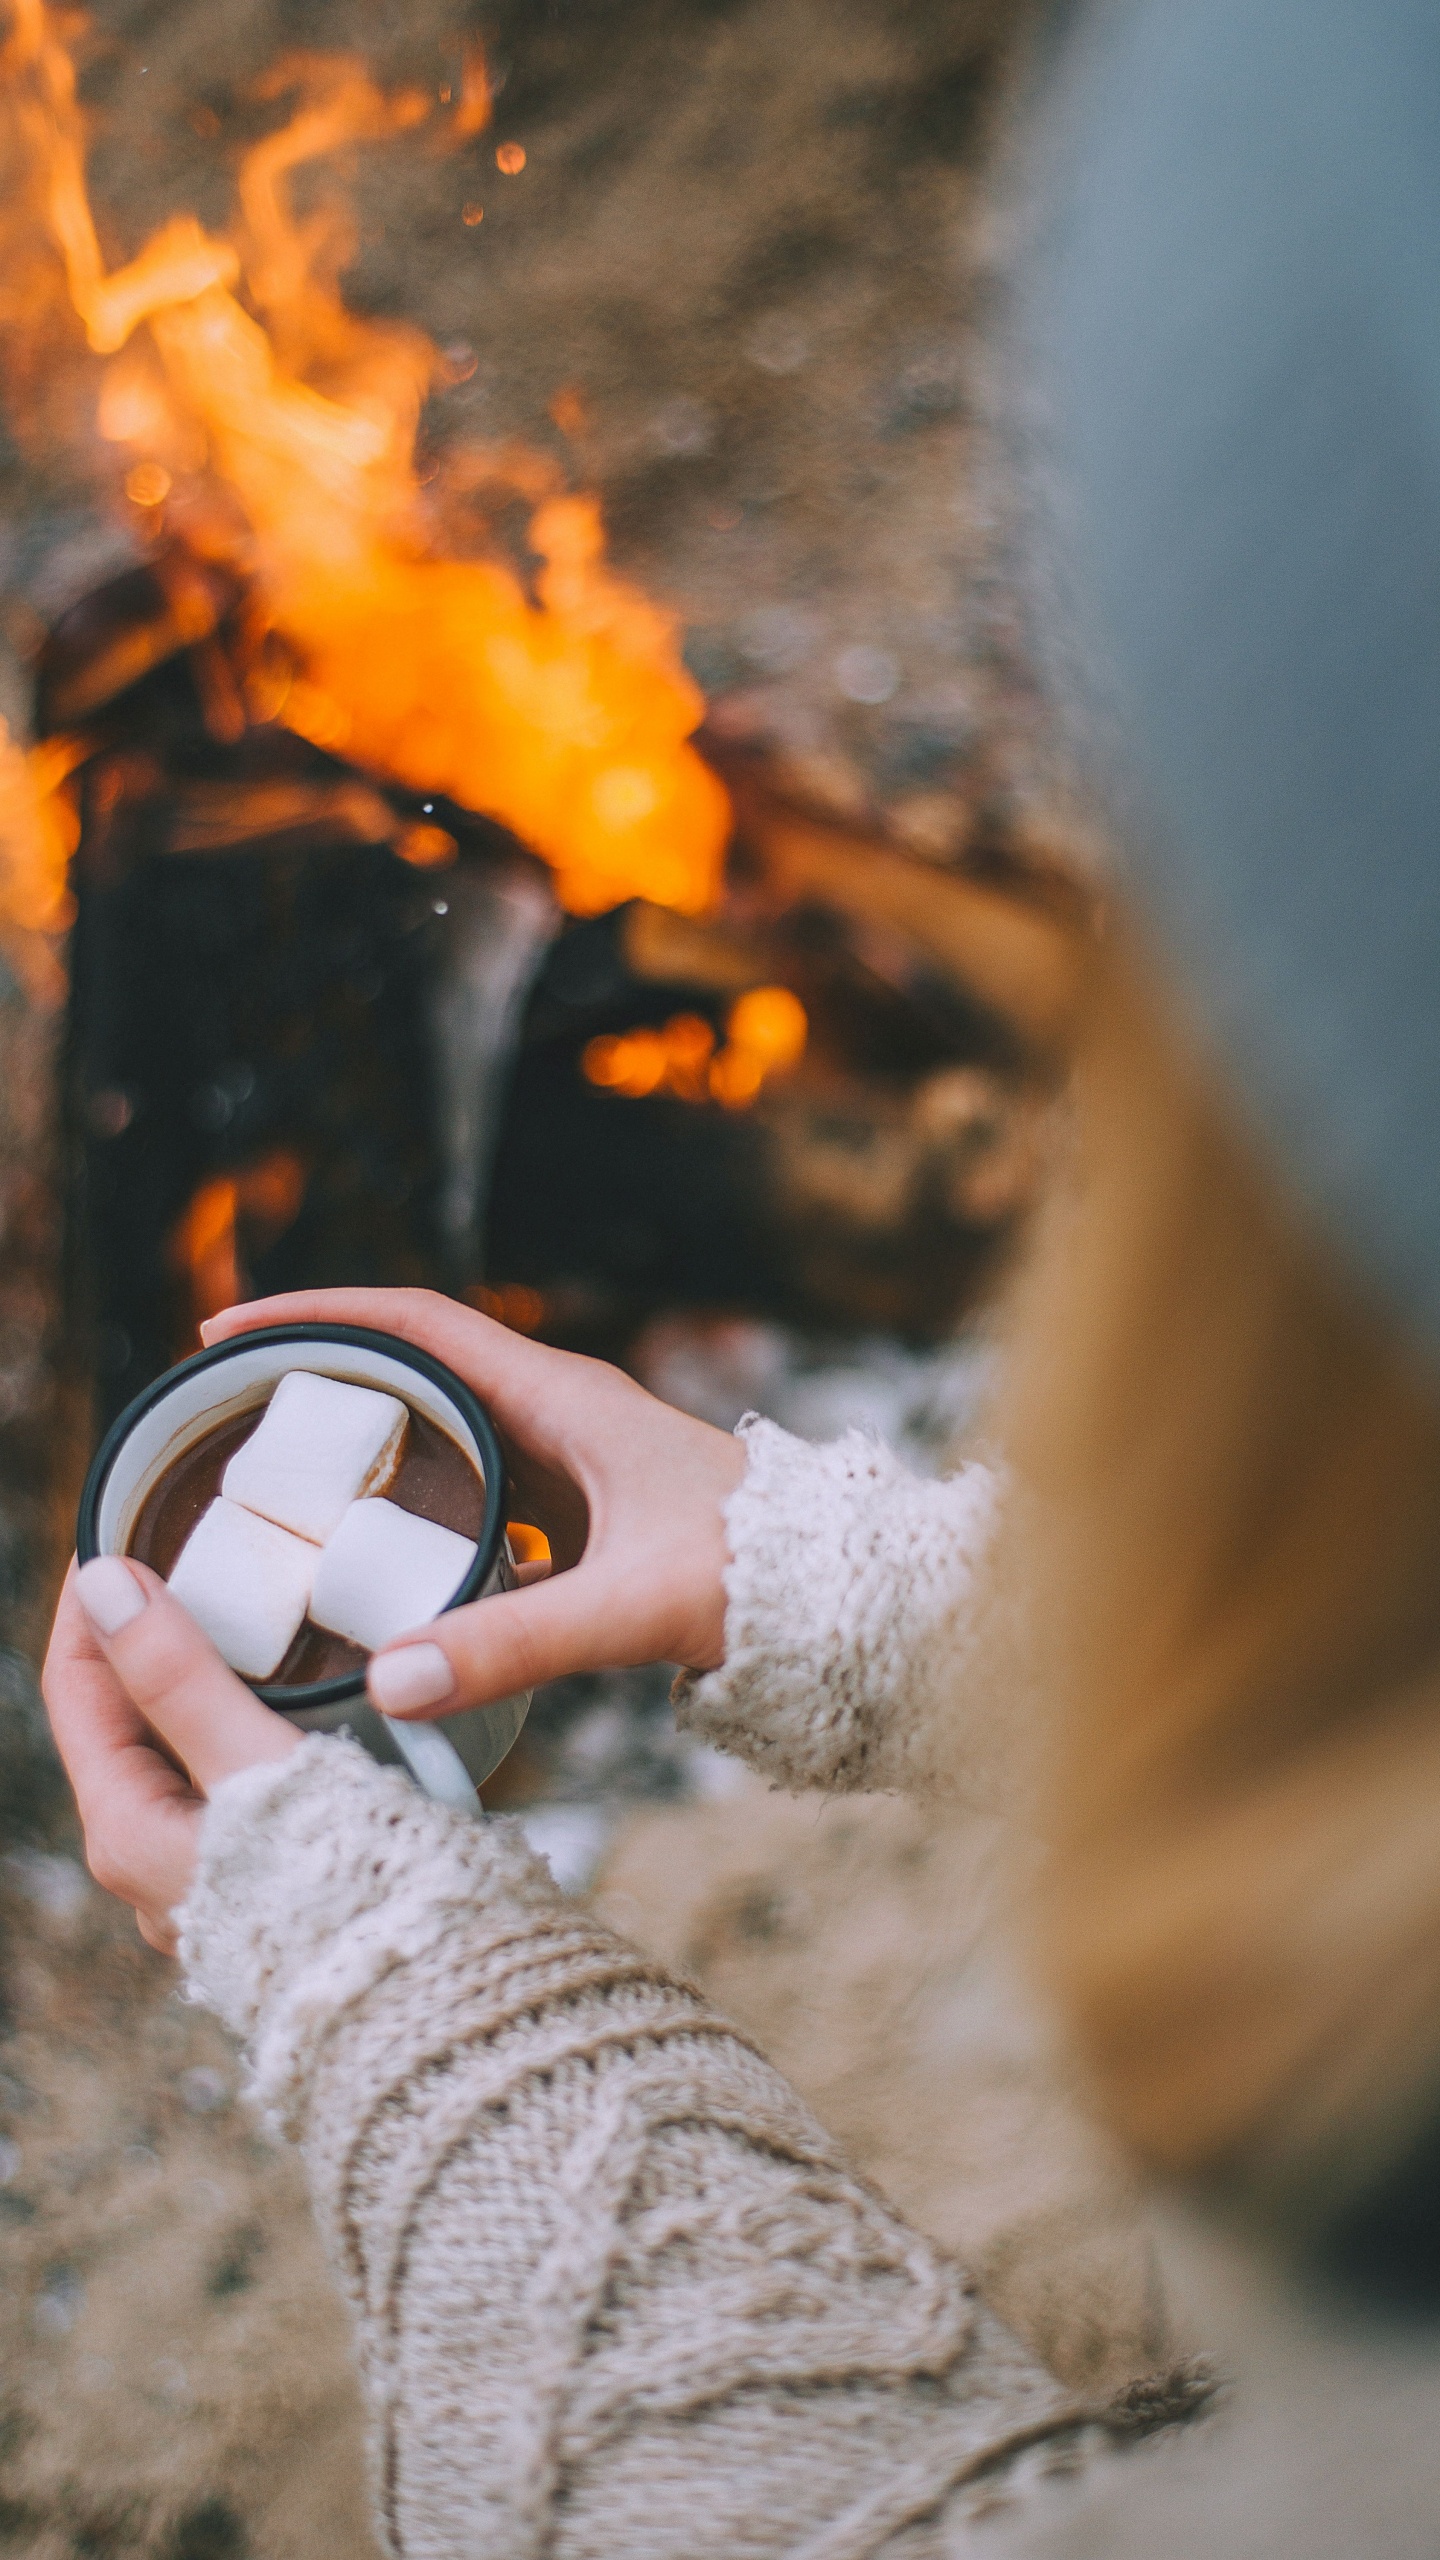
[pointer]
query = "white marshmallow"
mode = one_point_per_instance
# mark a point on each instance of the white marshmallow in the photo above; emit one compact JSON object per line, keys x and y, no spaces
{"x":246,"y":1583}
{"x":320,"y":1444}
{"x":386,"y":1571}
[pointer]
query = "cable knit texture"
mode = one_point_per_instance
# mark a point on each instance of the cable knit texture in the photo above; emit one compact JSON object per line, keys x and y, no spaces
{"x":864,"y":1616}
{"x":615,"y":2293}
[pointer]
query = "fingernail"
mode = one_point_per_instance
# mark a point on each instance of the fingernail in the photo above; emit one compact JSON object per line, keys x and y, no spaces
{"x":109,"y":1594}
{"x":417,"y":1676}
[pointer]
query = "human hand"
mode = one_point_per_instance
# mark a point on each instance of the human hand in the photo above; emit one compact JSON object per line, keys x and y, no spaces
{"x":628,"y":1491}
{"x":147,"y":1719}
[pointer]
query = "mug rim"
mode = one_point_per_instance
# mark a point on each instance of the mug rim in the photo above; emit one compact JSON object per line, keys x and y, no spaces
{"x":292,"y":1699}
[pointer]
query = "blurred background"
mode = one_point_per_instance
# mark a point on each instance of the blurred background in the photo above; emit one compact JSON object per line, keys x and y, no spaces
{"x":521,"y":774}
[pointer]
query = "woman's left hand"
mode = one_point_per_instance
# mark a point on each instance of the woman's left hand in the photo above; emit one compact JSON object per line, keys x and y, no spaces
{"x":147,"y":1719}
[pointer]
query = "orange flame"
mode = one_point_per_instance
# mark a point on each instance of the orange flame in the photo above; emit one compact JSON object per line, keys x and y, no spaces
{"x":765,"y":1035}
{"x":203,"y":1247}
{"x":205,"y":1242}
{"x":39,"y":830}
{"x":278,"y":430}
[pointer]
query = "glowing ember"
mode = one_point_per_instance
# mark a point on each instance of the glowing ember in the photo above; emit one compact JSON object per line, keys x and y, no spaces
{"x":429,"y":848}
{"x":277,"y":431}
{"x":769,"y":1025}
{"x":765,"y":1035}
{"x":473,"y":113}
{"x":148,"y":484}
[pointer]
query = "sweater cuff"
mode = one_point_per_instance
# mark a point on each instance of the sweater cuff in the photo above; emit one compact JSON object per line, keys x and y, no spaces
{"x":317,"y":1876}
{"x":852,"y":1585}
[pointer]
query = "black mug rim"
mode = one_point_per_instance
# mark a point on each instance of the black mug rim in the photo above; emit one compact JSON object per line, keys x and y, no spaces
{"x":305,"y":1698}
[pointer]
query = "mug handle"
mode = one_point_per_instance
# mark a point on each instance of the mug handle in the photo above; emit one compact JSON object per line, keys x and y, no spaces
{"x":435,"y":1765}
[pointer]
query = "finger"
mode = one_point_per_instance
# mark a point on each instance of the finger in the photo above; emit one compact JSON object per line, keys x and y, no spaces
{"x":553,"y":1410}
{"x":511,"y":1640}
{"x":489,"y":1354}
{"x":141,"y":1820}
{"x":139,"y":1813}
{"x":174,"y":1675}
{"x":158,"y":1934}
{"x":142,"y":1833}
{"x":377,"y":1307}
{"x":95,"y":1723}
{"x":530,"y":1388}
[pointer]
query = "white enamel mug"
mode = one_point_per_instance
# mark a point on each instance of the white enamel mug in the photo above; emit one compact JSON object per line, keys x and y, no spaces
{"x":167,"y":1417}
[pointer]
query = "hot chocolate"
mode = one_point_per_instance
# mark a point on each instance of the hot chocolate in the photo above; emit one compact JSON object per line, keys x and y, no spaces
{"x":435,"y":1481}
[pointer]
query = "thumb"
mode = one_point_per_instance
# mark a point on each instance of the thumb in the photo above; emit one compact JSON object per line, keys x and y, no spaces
{"x":191,"y":1699}
{"x":511,"y":1640}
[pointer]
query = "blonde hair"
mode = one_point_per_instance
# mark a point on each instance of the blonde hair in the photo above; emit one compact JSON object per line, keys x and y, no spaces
{"x":1236,"y":1465}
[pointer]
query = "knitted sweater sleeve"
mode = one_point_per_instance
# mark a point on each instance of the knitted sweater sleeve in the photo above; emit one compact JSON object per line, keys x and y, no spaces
{"x":863,"y":1625}
{"x":615,"y":2295}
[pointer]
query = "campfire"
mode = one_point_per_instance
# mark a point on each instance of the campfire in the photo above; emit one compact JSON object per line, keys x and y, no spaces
{"x":390,"y":898}
{"x":254,"y":420}
{"x":403,"y":941}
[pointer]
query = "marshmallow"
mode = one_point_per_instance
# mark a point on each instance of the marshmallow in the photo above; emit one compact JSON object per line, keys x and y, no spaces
{"x":319,"y":1445}
{"x":247,"y":1584}
{"x":386,"y":1571}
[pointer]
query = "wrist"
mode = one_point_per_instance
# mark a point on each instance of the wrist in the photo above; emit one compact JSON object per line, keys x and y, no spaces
{"x":702,"y":1648}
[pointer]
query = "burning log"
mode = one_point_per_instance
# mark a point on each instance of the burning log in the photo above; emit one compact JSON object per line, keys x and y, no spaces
{"x":872,"y":1179}
{"x":264,"y":964}
{"x":322,"y":1030}
{"x":302,"y":748}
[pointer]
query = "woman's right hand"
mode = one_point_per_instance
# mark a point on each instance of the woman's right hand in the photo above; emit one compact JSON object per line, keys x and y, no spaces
{"x":628,"y":1491}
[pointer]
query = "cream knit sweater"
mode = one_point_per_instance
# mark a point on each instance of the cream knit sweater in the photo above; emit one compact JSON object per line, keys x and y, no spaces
{"x":615,"y":2294}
